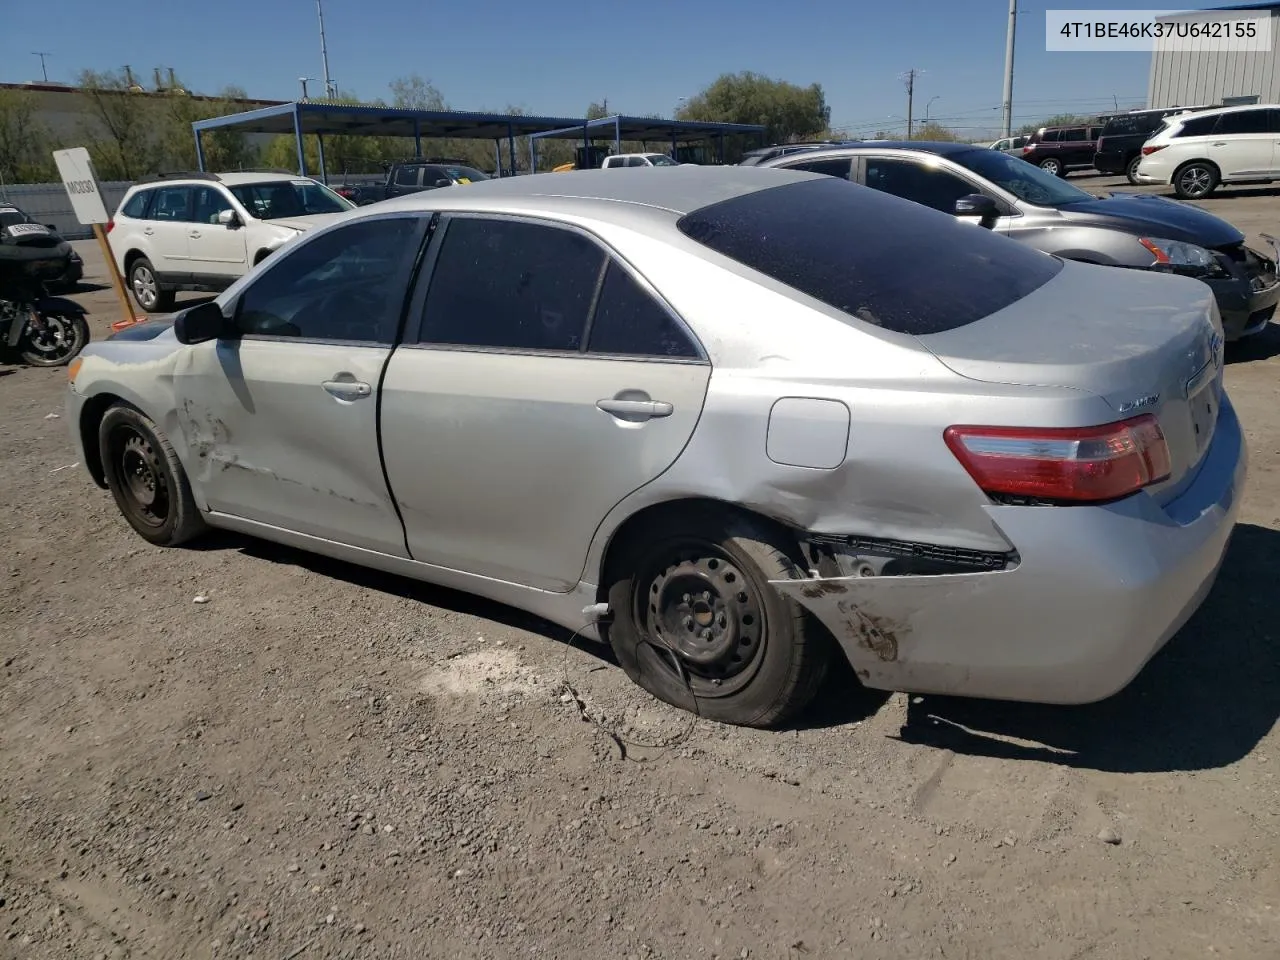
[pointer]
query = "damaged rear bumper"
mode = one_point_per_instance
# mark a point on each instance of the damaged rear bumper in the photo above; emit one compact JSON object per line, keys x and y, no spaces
{"x":1094,"y":594}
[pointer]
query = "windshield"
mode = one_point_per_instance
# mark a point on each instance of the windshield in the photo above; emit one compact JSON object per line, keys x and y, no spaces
{"x":459,"y":173}
{"x":277,"y":199}
{"x":659,"y":160}
{"x":10,"y":215}
{"x":1024,"y":180}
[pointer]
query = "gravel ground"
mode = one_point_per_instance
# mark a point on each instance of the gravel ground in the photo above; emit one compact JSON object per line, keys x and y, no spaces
{"x":320,"y":761}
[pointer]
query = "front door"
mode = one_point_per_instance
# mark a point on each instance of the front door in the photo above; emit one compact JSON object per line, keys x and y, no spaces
{"x":280,"y":425}
{"x":1243,"y":144}
{"x":216,"y":250}
{"x":545,"y":384}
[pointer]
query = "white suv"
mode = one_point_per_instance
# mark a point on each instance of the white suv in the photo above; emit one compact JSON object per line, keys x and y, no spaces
{"x":638,"y":160}
{"x":1197,"y":151}
{"x":204,"y":231}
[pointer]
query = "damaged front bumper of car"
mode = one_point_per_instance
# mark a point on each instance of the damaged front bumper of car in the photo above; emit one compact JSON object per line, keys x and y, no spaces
{"x":1091,"y":594}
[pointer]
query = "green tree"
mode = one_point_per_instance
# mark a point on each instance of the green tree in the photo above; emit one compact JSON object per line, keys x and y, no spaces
{"x":1057,"y":120}
{"x":787,"y":111}
{"x":24,"y":142}
{"x":596,"y":111}
{"x":415,"y":93}
{"x":933,"y":131}
{"x":224,"y":149}
{"x":119,"y":126}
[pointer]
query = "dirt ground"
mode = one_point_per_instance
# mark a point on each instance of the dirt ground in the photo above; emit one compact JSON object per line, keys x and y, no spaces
{"x":324,"y":762}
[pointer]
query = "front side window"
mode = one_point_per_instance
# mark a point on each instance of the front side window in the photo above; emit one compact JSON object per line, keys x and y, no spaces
{"x":278,"y":199}
{"x":913,"y":180}
{"x":347,"y":284}
{"x":661,"y":160}
{"x":210,"y":201}
{"x":1024,"y":180}
{"x":407,"y":176}
{"x":1074,"y":135}
{"x":511,"y":284}
{"x":172,"y":203}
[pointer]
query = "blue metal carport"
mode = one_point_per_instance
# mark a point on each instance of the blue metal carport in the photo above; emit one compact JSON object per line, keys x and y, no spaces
{"x":644,"y":130}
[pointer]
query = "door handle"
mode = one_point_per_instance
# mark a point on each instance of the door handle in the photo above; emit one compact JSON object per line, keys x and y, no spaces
{"x":635,"y":411}
{"x":347,"y":389}
{"x":148,"y":231}
{"x":1220,"y":143}
{"x":194,"y":234}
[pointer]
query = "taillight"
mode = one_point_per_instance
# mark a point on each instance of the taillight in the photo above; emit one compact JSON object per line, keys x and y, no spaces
{"x":1028,"y":147}
{"x":111,"y":225}
{"x":1148,"y":151}
{"x":1071,"y":465}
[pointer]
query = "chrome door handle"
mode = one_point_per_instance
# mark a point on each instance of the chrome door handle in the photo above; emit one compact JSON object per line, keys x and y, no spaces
{"x":1220,"y":143}
{"x":635,"y":410}
{"x":148,"y":231}
{"x":347,"y":389}
{"x":194,"y":234}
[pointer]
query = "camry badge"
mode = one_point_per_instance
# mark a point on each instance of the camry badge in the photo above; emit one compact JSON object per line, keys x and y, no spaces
{"x":1148,"y":401}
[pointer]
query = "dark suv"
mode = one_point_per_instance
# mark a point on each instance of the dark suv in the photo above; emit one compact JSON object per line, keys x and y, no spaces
{"x":1057,"y":150}
{"x":1119,"y":147}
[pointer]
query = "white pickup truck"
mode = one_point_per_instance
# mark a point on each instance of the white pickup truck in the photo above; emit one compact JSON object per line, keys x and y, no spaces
{"x":638,"y":160}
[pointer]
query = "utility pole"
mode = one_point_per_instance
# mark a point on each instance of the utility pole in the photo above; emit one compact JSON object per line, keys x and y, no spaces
{"x":329,"y":90}
{"x":43,"y":69}
{"x":303,"y":81}
{"x":911,"y":91}
{"x":1008,"y":69}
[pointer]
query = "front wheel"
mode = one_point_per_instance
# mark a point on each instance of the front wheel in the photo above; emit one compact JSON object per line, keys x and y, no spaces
{"x":146,"y":478}
{"x":696,"y":623}
{"x":56,"y":341}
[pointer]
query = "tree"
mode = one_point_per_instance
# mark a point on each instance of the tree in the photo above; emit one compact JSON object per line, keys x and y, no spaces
{"x":120,"y":131}
{"x":415,"y":93}
{"x":225,"y":149}
{"x":933,"y":131}
{"x":787,"y":111}
{"x":1058,"y":120}
{"x":596,"y":111}
{"x":24,"y":142}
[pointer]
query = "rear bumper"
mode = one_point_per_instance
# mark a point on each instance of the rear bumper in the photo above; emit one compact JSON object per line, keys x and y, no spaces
{"x":1149,"y":180}
{"x":1096,"y":593}
{"x":1109,"y":162}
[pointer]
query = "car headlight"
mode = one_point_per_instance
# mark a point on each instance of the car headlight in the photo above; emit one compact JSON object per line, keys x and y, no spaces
{"x":1178,"y":256}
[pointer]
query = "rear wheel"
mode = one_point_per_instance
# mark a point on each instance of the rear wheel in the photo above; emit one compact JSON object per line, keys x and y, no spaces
{"x":1195,"y":180}
{"x":146,"y":288}
{"x":1131,"y":171}
{"x":1053,"y":165}
{"x":146,"y":478}
{"x":696,"y":623}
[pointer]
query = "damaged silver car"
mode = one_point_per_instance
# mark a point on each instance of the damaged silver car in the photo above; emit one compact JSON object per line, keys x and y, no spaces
{"x":733,"y":421}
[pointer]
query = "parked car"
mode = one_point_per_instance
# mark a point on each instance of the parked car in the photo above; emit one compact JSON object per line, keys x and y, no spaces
{"x":1197,"y":152}
{"x":203,"y":231}
{"x":11,"y":215}
{"x":413,"y":176}
{"x":754,"y":157}
{"x":1035,"y":207}
{"x":1119,"y":146}
{"x":1059,"y":150}
{"x":1011,"y":145}
{"x":637,"y":160}
{"x":680,"y":412}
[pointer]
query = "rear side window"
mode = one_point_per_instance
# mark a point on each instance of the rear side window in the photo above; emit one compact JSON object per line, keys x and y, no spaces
{"x":137,"y":205}
{"x":407,"y":176}
{"x":1197,"y":127}
{"x":1049,"y":136}
{"x":832,"y":168}
{"x":885,"y":261}
{"x":1245,"y":121}
{"x":629,"y":322}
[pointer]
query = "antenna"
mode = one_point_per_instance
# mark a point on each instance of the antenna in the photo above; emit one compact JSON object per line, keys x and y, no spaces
{"x":330,"y":91}
{"x":43,"y":69}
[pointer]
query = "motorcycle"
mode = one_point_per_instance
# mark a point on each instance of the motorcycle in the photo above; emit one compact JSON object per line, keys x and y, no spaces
{"x":44,"y":331}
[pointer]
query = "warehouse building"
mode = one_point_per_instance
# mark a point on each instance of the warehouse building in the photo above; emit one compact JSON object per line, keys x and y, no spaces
{"x":1181,"y":77}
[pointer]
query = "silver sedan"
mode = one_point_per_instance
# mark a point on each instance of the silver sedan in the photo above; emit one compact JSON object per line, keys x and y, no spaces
{"x":733,"y":421}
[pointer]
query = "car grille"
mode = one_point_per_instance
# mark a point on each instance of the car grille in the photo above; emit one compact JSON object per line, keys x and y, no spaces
{"x":1260,"y":270}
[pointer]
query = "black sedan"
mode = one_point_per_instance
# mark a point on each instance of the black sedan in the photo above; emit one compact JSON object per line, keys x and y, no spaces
{"x":11,"y":215}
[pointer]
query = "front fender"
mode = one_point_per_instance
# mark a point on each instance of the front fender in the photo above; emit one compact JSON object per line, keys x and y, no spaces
{"x":60,"y":305}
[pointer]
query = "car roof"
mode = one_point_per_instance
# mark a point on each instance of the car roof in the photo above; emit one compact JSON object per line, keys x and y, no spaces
{"x":226,"y":179}
{"x":1238,"y":108}
{"x":942,"y":148}
{"x":614,"y":195}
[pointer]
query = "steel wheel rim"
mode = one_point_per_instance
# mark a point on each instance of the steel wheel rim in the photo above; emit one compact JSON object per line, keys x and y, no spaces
{"x":144,"y":286}
{"x":1195,"y":181}
{"x":142,"y":477}
{"x":705,"y":618}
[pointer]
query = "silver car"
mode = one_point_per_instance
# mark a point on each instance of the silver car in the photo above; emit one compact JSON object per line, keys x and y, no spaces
{"x":733,"y":421}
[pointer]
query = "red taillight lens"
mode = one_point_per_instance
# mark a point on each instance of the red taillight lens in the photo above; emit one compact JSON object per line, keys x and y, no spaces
{"x":1148,"y":151}
{"x":1074,"y":465}
{"x":1028,"y":147}
{"x":111,"y":225}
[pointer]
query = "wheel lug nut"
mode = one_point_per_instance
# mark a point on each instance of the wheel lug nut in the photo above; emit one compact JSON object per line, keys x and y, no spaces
{"x":687,"y":598}
{"x":706,"y":633}
{"x":688,"y":623}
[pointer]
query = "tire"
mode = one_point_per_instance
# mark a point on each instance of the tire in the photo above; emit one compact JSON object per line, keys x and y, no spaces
{"x":763,"y":658}
{"x":146,"y":288}
{"x":1131,"y":171}
{"x":1052,"y":165}
{"x":146,"y":478}
{"x":1195,"y":180}
{"x":65,"y":336}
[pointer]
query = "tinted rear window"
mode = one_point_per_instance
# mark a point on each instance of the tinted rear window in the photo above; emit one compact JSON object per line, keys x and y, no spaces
{"x":888,"y":262}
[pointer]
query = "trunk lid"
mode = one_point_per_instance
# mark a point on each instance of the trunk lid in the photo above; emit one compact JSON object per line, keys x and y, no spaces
{"x":1144,"y":342}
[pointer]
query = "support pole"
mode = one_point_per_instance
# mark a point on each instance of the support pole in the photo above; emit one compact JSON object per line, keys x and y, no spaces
{"x":117,"y":281}
{"x":1008,"y":70}
{"x":511,"y":147}
{"x":417,"y":138}
{"x":324,"y":174}
{"x":617,"y":134}
{"x":297,"y":134}
{"x":199,"y":152}
{"x":497,"y":153}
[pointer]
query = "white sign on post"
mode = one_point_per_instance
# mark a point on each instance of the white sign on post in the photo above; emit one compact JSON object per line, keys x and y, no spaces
{"x":76,"y":170}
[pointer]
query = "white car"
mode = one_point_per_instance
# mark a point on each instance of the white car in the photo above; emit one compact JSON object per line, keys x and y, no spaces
{"x":638,"y":160}
{"x":1195,"y":152}
{"x":204,"y":231}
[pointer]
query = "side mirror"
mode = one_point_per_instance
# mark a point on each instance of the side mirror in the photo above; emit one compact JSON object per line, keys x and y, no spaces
{"x":202,"y":323}
{"x":228,"y":218}
{"x":978,"y":205}
{"x":444,"y":183}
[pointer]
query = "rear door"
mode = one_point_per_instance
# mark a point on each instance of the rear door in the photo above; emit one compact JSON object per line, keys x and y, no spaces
{"x":281,"y":424}
{"x":1243,"y":144}
{"x":166,"y":230}
{"x":544,"y":383}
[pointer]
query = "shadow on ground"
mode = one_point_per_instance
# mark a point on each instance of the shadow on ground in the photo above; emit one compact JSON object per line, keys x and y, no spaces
{"x":1259,"y":346}
{"x":1203,"y":702}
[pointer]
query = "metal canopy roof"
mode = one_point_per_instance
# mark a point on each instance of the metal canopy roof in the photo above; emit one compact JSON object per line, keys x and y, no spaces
{"x":326,"y":118}
{"x":647,"y":128}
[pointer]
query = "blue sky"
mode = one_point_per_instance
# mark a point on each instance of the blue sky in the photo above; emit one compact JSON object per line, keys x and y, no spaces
{"x":553,"y":58}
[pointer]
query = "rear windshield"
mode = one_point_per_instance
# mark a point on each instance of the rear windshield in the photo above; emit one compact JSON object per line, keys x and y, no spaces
{"x":877,"y":258}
